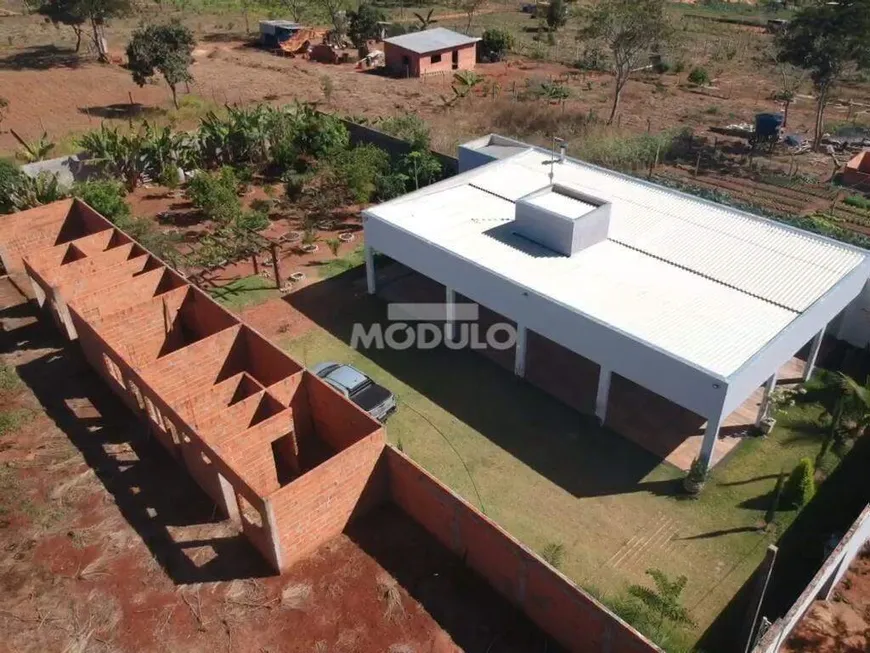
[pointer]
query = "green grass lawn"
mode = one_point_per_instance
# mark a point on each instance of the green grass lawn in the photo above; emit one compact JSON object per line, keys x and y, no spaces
{"x":552,"y":477}
{"x":246,"y":291}
{"x":336,"y":266}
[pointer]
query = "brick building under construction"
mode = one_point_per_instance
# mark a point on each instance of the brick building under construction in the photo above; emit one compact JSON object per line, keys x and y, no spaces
{"x":276,"y":448}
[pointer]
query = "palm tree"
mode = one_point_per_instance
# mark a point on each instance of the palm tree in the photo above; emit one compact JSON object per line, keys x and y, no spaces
{"x":427,"y":21}
{"x":664,"y":600}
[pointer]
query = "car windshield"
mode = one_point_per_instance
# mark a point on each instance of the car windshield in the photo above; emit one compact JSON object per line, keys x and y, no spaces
{"x":349,"y":378}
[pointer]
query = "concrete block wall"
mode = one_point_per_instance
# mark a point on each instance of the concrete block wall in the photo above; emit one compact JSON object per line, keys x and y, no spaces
{"x":552,"y":601}
{"x":822,"y":585}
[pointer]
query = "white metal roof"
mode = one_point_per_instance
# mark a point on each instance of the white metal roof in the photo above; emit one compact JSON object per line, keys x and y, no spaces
{"x":431,"y":40}
{"x":709,"y":285}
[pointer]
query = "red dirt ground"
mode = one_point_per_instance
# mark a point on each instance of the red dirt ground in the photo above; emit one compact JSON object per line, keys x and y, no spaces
{"x":108,"y":545}
{"x":174,"y":214}
{"x":841,"y":625}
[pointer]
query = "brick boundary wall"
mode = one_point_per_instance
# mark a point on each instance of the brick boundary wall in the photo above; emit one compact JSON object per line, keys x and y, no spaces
{"x":821,"y":586}
{"x":551,"y":600}
{"x":115,"y":299}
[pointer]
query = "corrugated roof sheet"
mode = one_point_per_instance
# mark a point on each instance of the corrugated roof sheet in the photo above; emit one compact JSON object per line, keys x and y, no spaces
{"x":784,"y":266}
{"x":431,"y":40}
{"x":671,"y":308}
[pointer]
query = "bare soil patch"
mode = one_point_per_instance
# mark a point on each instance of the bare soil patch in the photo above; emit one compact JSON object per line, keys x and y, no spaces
{"x":108,"y":545}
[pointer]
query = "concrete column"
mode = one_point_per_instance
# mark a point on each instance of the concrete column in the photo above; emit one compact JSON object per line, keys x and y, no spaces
{"x":370,"y":270}
{"x":769,"y":387}
{"x":229,"y":496}
{"x":450,"y":306}
{"x":603,"y":395}
{"x":814,"y":353}
{"x":714,"y":423}
{"x":520,"y":359}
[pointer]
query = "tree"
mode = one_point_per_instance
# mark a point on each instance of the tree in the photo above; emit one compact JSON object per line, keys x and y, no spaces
{"x":630,"y":29}
{"x":664,"y":600}
{"x":362,"y":25}
{"x":296,"y":8}
{"x":557,"y":14}
{"x":469,"y":8}
{"x":337,"y":12}
{"x":495,"y":44}
{"x":164,"y":49}
{"x":425,"y":22}
{"x":65,"y":13}
{"x":790,"y":80}
{"x":828,"y":40}
{"x":94,"y":13}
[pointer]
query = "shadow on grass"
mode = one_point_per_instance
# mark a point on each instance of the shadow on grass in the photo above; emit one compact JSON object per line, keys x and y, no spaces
{"x":720,"y":533}
{"x":122,"y":111}
{"x":153,"y":492}
{"x":566,"y":447}
{"x":836,"y":505}
{"x":747,"y":481}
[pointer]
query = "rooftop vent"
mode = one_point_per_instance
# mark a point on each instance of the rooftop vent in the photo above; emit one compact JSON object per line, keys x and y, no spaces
{"x":562,"y":219}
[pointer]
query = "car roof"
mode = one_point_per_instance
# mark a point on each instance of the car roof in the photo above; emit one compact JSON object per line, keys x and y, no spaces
{"x":346,"y":376}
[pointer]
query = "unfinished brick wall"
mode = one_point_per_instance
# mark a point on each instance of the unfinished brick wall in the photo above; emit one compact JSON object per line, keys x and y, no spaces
{"x":231,"y":407}
{"x":318,"y":506}
{"x":560,"y":608}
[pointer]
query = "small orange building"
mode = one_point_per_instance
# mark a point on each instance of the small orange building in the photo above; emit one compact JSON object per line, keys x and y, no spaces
{"x":436,"y":50}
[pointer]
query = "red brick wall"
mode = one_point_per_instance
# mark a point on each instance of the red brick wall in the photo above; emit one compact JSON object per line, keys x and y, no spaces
{"x":318,"y":505}
{"x":190,"y":453}
{"x":336,"y":421}
{"x":559,"y":608}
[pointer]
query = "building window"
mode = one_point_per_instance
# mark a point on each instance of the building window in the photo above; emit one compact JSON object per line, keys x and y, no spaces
{"x":436,"y":58}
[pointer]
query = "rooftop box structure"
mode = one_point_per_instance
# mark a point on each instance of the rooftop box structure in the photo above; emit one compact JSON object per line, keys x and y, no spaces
{"x":562,"y":219}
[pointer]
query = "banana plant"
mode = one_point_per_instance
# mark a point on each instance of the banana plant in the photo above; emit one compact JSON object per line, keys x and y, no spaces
{"x":121,"y":155}
{"x":44,"y":188}
{"x":37,"y":150}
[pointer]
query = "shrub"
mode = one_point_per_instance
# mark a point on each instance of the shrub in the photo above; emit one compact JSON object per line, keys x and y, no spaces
{"x":678,"y":67}
{"x":495,"y":44}
{"x":858,"y":201}
{"x":214,"y":193}
{"x":294,"y":184}
{"x":320,"y":135}
{"x":391,"y":186}
{"x":253,"y":220}
{"x":106,"y":196}
{"x":358,"y":169}
{"x":593,"y":58}
{"x":699,"y":76}
{"x":334,"y":244}
{"x":11,"y":179}
{"x":801,"y":485}
{"x":409,"y":127}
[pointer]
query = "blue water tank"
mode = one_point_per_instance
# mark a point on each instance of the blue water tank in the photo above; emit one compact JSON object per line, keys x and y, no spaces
{"x":767,"y":124}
